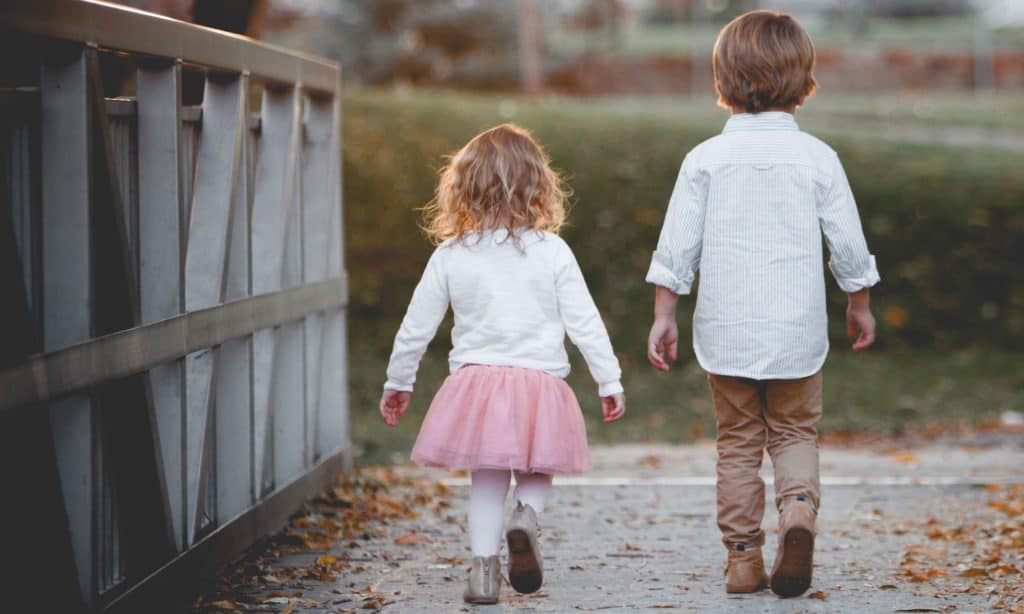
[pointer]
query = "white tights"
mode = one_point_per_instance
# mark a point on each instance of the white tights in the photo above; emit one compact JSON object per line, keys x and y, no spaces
{"x":487,"y":504}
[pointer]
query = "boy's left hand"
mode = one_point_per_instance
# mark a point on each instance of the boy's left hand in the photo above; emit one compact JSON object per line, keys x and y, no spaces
{"x":393,"y":404}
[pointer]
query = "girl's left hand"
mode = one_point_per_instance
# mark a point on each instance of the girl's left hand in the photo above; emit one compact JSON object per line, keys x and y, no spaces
{"x":613,"y":406}
{"x":393,"y":404}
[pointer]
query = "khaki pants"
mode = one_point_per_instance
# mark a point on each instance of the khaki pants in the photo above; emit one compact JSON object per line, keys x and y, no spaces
{"x":753,"y":414}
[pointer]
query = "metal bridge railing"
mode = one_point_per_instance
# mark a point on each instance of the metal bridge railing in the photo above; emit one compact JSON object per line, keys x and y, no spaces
{"x":173,"y":287}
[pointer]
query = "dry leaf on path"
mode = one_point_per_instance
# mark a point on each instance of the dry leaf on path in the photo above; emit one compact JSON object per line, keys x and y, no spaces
{"x":652,"y":461}
{"x":412,"y":538}
{"x":905,"y":458}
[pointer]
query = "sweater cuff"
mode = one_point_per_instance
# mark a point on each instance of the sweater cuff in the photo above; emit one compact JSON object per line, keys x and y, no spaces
{"x":391,"y":385}
{"x":607,"y":389}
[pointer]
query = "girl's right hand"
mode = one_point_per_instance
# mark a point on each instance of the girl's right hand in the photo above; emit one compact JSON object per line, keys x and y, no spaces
{"x":393,"y":404}
{"x":613,"y":406}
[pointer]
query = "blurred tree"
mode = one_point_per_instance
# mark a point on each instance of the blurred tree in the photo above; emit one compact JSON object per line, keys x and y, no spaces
{"x":529,"y":46}
{"x":600,"y":21}
{"x":462,"y":43}
{"x":669,"y":11}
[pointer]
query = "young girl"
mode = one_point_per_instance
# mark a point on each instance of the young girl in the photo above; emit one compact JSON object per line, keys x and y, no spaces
{"x":516,"y":289}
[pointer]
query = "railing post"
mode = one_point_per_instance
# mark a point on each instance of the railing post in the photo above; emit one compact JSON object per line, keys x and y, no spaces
{"x":334,"y":423}
{"x":276,"y":263}
{"x":219,"y":161}
{"x":233,"y":408}
{"x":67,"y":284}
{"x":316,"y":219}
{"x":161,"y":256}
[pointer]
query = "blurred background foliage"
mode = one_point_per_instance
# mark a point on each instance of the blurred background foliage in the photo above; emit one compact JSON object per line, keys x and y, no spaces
{"x":921,"y":98}
{"x":945,"y":223}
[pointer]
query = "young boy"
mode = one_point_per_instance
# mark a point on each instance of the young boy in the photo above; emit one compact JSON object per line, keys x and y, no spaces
{"x":748,"y":208}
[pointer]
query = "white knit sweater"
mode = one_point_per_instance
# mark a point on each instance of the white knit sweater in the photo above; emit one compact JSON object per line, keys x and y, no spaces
{"x":514,"y":302}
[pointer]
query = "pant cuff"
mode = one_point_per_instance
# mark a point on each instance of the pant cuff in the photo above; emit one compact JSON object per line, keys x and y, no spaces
{"x":748,"y":543}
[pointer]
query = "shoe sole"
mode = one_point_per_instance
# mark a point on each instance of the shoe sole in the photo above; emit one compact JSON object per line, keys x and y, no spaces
{"x":737,"y":590}
{"x":524,"y":573}
{"x":732,"y":590}
{"x":792,"y":576}
{"x":480,"y":600}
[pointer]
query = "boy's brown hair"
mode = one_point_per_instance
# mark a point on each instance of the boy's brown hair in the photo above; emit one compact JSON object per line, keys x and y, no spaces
{"x":763,"y":60}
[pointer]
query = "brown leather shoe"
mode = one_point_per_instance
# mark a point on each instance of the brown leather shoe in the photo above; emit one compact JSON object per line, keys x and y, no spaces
{"x":744,"y":573}
{"x":791,"y":572}
{"x":525,"y":567}
{"x":484,"y":581}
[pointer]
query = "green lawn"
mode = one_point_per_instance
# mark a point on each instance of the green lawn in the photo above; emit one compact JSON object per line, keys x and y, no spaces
{"x":932,"y":33}
{"x":945,"y":223}
{"x":836,"y":113}
{"x":877,"y":392}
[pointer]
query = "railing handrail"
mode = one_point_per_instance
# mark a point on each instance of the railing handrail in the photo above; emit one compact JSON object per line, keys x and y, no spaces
{"x":121,"y":28}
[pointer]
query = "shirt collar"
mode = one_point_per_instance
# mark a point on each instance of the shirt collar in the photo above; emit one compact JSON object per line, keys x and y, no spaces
{"x":766,"y":120}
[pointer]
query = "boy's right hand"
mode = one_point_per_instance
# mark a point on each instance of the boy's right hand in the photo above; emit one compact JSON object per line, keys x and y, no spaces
{"x":613,"y":406}
{"x":664,"y":339}
{"x":859,"y":321}
{"x":393,"y":404}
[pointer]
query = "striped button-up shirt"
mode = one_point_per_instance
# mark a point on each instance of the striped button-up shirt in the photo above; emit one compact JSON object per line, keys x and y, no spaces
{"x":748,"y":209}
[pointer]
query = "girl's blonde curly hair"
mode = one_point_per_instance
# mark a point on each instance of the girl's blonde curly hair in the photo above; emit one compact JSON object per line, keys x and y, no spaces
{"x":501,"y":179}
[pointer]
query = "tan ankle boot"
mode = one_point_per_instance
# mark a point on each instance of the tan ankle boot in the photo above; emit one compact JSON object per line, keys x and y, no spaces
{"x":525,"y":567}
{"x":791,"y":571}
{"x":744,"y":573}
{"x":484,"y":580}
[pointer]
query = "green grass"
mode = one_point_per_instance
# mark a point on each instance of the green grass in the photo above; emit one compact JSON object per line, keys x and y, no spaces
{"x":876,"y":392}
{"x":989,"y":110}
{"x":942,"y":33}
{"x":945,"y":223}
{"x":840,"y":113}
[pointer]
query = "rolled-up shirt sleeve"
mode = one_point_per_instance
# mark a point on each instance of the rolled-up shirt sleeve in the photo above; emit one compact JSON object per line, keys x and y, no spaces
{"x":851,"y":263}
{"x":426,"y":310}
{"x":677,"y":258}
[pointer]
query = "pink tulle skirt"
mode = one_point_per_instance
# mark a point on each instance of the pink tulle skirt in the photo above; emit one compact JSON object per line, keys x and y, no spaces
{"x":487,"y":417}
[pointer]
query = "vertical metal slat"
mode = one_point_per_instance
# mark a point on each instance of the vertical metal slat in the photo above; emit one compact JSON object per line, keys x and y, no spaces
{"x":233,"y":414}
{"x":67,"y":285}
{"x":277,"y":353}
{"x":219,"y":160}
{"x":162,"y":159}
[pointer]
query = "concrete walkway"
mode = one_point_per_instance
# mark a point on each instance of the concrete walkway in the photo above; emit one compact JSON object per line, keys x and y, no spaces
{"x":638,"y":533}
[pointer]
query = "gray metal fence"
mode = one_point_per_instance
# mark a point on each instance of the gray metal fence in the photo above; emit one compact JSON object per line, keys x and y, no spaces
{"x":173,"y":288}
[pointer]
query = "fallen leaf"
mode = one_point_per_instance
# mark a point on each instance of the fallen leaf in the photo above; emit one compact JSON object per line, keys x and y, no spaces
{"x":652,"y":461}
{"x":820,"y":595}
{"x":905,"y":458}
{"x":973,"y":572}
{"x":412,"y":538}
